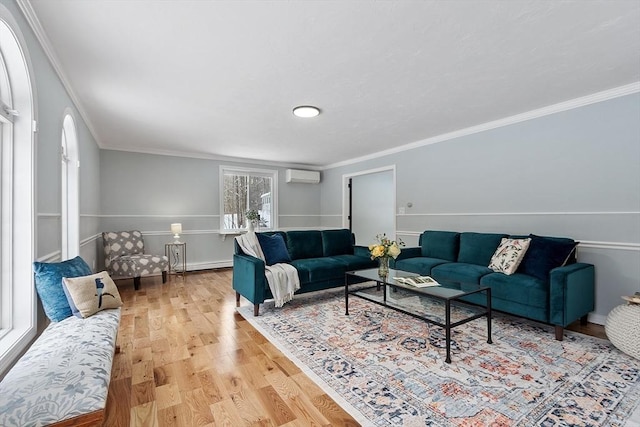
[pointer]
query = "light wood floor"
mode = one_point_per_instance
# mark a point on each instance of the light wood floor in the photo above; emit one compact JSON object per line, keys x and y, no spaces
{"x":188,"y":359}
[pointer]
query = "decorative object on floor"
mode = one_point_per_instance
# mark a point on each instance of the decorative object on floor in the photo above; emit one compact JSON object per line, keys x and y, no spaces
{"x":124,"y":257}
{"x":384,"y":249}
{"x":386,"y":368}
{"x":623,"y":328}
{"x":176,"y":229}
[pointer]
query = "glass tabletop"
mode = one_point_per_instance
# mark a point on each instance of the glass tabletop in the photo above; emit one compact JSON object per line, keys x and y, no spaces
{"x":436,"y":291}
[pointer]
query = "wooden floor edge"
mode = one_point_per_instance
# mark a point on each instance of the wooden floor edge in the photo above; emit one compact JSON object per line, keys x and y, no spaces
{"x":94,"y":418}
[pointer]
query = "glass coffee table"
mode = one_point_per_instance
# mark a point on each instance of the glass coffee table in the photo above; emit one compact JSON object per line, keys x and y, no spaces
{"x":446,"y":295}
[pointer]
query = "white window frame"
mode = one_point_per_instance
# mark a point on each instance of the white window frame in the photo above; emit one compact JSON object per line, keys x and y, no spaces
{"x":272,"y":173}
{"x":18,"y":319}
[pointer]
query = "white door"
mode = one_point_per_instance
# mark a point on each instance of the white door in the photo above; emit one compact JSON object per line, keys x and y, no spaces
{"x":373,"y":197}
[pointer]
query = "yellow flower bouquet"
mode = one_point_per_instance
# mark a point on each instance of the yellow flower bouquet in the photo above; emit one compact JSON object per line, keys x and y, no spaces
{"x":383,"y":250}
{"x":385,"y":247}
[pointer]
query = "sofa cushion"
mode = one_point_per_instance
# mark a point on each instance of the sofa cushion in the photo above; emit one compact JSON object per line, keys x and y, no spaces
{"x":355,"y":262}
{"x":48,"y":278}
{"x":457,"y":272}
{"x":545,"y":254}
{"x":319,"y":269}
{"x":478,"y":248}
{"x":509,"y":255}
{"x":440,"y":245}
{"x":419,"y":265}
{"x":521,"y":288}
{"x":304,"y":244}
{"x":273,"y":248}
{"x":337,"y":242}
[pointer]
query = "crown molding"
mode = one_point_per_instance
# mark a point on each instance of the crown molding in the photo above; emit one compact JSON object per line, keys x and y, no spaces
{"x":533,"y":114}
{"x":204,"y":156}
{"x":33,"y":21}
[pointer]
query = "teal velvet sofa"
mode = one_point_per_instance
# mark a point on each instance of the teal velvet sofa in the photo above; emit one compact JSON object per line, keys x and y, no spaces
{"x":322,"y":257}
{"x":549,"y":285}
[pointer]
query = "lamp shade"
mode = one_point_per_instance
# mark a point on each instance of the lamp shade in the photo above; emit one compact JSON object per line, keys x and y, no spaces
{"x":176,"y":228}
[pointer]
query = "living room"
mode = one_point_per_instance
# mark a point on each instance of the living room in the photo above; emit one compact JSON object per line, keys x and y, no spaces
{"x":562,"y":165}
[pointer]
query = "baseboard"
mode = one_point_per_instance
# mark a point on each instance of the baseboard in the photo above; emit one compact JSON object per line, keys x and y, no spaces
{"x":598,"y":319}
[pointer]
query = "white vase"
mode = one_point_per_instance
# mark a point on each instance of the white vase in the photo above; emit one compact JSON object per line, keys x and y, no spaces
{"x":250,"y":228}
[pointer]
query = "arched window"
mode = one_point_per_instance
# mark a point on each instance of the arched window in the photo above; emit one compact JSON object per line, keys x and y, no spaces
{"x":17,"y":295}
{"x":70,"y":209}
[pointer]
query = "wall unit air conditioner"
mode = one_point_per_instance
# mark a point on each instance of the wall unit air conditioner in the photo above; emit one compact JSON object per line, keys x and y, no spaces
{"x":306,"y":177}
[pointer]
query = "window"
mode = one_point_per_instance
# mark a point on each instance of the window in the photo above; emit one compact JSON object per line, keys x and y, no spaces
{"x":17,"y":295}
{"x":70,"y":207}
{"x":242,"y":190}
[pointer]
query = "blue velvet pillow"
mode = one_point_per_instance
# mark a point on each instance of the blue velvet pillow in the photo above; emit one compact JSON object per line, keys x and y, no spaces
{"x":49,"y":285}
{"x":273,"y":248}
{"x":545,"y":254}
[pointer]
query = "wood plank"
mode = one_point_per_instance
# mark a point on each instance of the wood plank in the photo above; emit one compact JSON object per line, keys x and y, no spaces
{"x":144,"y":415}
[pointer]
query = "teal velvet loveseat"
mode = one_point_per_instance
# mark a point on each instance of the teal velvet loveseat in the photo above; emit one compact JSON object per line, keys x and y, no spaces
{"x":549,"y":284}
{"x":322,"y":257}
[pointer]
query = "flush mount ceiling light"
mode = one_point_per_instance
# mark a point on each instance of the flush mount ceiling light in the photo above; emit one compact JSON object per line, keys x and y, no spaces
{"x":306,"y":111}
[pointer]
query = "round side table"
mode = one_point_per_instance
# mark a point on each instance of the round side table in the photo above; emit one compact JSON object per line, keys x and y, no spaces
{"x":623,"y":328}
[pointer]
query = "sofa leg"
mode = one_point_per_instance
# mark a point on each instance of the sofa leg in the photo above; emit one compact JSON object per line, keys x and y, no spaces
{"x":164,"y":277}
{"x":237,"y":299}
{"x":584,"y":320}
{"x":256,"y":308}
{"x":136,"y":283}
{"x":559,"y":332}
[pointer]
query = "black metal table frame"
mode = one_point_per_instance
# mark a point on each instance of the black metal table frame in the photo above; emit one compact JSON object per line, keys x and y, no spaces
{"x":447,"y":325}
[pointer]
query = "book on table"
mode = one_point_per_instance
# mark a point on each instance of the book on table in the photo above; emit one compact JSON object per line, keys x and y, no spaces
{"x":417,"y":281}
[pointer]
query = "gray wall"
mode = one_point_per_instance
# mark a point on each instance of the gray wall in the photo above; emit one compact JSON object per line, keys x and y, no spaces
{"x":149,"y":192}
{"x":574,"y":173}
{"x":51,"y":101}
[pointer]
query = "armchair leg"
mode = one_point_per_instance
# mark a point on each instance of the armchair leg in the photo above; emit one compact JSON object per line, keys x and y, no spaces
{"x":164,"y":277}
{"x":559,"y":333}
{"x":237,"y":299}
{"x":584,"y":319}
{"x":256,"y":309}
{"x":136,"y":283}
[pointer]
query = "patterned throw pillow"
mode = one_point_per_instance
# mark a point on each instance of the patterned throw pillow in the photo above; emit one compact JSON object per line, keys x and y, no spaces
{"x":509,"y":254}
{"x":89,"y":294}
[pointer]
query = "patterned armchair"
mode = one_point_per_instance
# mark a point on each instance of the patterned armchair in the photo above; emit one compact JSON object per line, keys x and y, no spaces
{"x":124,"y":257}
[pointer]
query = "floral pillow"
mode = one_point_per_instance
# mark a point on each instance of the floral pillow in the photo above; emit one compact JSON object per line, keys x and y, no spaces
{"x":509,"y":255}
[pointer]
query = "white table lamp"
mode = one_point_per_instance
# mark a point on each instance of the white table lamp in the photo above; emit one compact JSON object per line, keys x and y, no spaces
{"x":176,"y":229}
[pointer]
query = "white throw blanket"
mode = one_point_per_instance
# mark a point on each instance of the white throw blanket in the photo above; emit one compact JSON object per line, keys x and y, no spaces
{"x":282,"y":278}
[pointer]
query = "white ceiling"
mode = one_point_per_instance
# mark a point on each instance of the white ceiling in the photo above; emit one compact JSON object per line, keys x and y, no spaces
{"x":220,"y":78}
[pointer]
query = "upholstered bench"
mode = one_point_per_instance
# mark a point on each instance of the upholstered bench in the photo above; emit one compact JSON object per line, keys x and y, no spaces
{"x":64,"y":377}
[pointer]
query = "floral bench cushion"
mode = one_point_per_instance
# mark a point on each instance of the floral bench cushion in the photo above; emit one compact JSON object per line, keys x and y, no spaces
{"x":65,"y":373}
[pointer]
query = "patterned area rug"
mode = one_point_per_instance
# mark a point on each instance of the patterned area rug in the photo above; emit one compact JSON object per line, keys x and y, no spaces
{"x":387,"y":368}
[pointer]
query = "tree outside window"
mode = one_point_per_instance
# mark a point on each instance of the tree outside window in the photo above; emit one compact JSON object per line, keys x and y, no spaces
{"x":243,"y":191}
